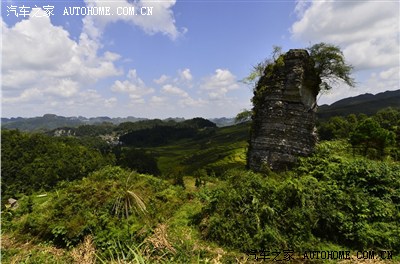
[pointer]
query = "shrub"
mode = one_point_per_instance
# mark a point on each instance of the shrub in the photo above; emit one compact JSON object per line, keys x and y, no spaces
{"x":350,"y":202}
{"x":111,"y":204}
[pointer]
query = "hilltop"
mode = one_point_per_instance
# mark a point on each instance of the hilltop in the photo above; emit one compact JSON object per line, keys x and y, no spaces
{"x":368,"y":104}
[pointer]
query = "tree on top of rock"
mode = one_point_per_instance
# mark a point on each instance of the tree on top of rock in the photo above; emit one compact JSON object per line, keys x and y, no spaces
{"x":330,"y":66}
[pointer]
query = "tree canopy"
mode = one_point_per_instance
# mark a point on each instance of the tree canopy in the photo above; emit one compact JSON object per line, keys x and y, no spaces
{"x":330,"y":65}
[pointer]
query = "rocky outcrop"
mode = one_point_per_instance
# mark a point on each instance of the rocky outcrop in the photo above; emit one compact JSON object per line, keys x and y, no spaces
{"x":284,"y":112}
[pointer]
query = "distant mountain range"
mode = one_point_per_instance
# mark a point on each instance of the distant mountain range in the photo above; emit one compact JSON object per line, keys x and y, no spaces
{"x":366,"y":103}
{"x":51,"y":121}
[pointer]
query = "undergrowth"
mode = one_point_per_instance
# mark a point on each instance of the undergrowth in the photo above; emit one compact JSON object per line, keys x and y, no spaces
{"x":330,"y":201}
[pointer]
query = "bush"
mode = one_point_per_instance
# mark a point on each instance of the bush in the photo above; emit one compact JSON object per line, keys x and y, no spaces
{"x":33,"y":162}
{"x":252,"y":212}
{"x":112,"y":204}
{"x":350,"y":202}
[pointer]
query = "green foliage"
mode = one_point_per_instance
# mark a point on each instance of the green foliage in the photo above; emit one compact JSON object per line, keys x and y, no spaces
{"x":360,"y":200}
{"x":127,"y":200}
{"x":137,"y":159}
{"x":376,"y":136}
{"x":224,"y":149}
{"x":243,"y":116}
{"x":198,"y":123}
{"x":330,"y":65}
{"x":31,"y":162}
{"x":370,"y":135}
{"x":120,"y":252}
{"x":167,"y":132}
{"x":259,"y":69}
{"x":337,"y":127}
{"x":388,"y":118}
{"x":111,"y":204}
{"x":345,"y":201}
{"x":331,"y":199}
{"x":258,"y":214}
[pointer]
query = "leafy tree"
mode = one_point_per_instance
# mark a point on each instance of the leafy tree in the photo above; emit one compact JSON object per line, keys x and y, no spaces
{"x":370,"y":135}
{"x":243,"y":116}
{"x":388,"y":118}
{"x":330,"y":65}
{"x":138,"y":160}
{"x":337,"y":127}
{"x":31,"y":162}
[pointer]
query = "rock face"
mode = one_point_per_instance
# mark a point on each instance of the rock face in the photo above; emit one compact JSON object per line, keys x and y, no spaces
{"x":284,"y":113}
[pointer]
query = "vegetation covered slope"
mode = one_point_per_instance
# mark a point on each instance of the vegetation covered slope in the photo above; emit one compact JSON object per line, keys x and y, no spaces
{"x":341,"y":198}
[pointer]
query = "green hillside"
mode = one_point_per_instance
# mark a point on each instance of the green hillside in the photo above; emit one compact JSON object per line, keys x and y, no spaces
{"x":191,"y":200}
{"x":223,"y":149}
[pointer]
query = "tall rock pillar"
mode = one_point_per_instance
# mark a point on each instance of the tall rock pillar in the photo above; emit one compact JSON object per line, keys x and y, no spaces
{"x":284,"y":112}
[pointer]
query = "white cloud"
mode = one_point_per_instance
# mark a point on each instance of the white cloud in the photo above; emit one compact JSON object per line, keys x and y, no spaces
{"x":157,"y":99}
{"x":392,"y":73}
{"x":190,"y":102}
{"x":42,"y":65}
{"x":367,"y":32}
{"x":161,"y":21}
{"x":133,"y":86}
{"x":212,"y":90}
{"x":64,"y":88}
{"x":25,"y":96}
{"x":185,"y":99}
{"x":163,"y":78}
{"x":185,"y":75}
{"x":170,"y":89}
{"x":219,"y":84}
{"x":375,"y":82}
{"x":111,"y":102}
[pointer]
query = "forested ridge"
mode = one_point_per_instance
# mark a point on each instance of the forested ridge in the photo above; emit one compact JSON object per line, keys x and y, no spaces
{"x":164,"y":191}
{"x":362,"y":104}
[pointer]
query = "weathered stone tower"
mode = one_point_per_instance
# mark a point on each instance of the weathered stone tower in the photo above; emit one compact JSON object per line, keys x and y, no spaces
{"x":284,"y":112}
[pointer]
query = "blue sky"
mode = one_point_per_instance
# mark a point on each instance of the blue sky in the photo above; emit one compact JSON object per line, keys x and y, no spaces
{"x":187,"y":59}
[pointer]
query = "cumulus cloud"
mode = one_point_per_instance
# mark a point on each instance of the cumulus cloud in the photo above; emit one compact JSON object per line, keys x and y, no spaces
{"x":367,"y":31}
{"x":375,"y":82}
{"x":183,"y":95}
{"x":219,"y":84}
{"x":170,"y":89}
{"x":161,"y":21}
{"x":208,"y":91}
{"x":42,"y":64}
{"x":185,"y":75}
{"x":368,"y":34}
{"x":163,"y":78}
{"x":190,"y":102}
{"x":185,"y":99}
{"x":133,"y":86}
